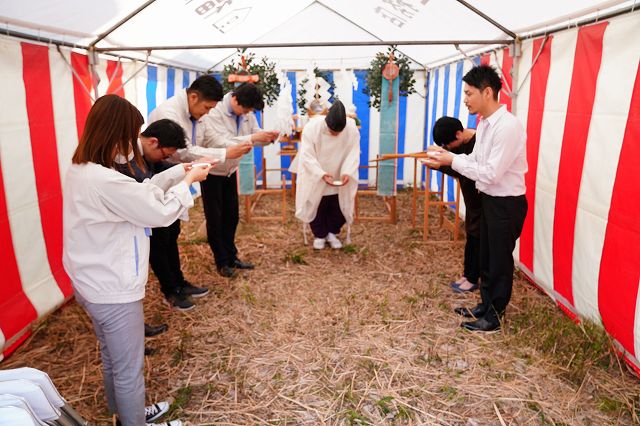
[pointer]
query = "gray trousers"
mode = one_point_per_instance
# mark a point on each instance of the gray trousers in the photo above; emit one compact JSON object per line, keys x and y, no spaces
{"x":120,"y":331}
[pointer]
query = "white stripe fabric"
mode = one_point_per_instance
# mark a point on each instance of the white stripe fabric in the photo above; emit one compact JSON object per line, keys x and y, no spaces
{"x":439,"y":108}
{"x":551,"y":134}
{"x":101,"y":70}
{"x":451,"y":99}
{"x":161,"y":90}
{"x":131,"y":87}
{"x":429,"y":116}
{"x":141,"y":90}
{"x":20,"y":187}
{"x":608,"y":122}
{"x":64,"y":110}
{"x":414,"y":126}
{"x":177,"y":81}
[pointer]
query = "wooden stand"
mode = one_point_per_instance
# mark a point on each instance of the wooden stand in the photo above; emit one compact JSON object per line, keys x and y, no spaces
{"x":251,"y":201}
{"x":441,"y":205}
{"x":389,"y":201}
{"x":288,"y":150}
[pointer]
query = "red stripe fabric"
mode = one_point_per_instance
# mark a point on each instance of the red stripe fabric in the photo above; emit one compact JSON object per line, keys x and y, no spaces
{"x":576,"y":130}
{"x":81,"y":89}
{"x":537,"y":93}
{"x":16,"y":311}
{"x":485,"y":59}
{"x":507,"y":63}
{"x":114,"y":73}
{"x":619,"y":266}
{"x":37,"y":84}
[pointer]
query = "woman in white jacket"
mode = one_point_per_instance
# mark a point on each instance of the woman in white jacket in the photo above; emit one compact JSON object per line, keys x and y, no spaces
{"x":107,"y":217}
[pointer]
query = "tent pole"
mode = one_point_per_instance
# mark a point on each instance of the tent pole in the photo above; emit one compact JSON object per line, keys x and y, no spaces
{"x":311,"y":44}
{"x":25,"y":36}
{"x":581,"y":23}
{"x":516,"y":54}
{"x":120,"y":23}
{"x":487,"y":18}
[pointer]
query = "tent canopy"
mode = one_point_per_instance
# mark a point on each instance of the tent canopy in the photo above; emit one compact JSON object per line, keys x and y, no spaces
{"x":175,"y":31}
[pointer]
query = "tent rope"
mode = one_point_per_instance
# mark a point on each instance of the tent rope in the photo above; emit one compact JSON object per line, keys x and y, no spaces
{"x":146,"y":62}
{"x":506,"y":88}
{"x":533,"y":63}
{"x":75,"y":74}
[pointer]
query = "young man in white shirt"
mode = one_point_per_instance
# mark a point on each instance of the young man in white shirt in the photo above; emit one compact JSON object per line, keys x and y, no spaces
{"x":187,"y":108}
{"x":230,"y":124}
{"x":497,"y":164}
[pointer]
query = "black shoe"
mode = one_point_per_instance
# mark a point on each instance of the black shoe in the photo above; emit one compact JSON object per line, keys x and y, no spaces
{"x":193,"y":291}
{"x":180,"y":302}
{"x":482,"y":324}
{"x":476,"y":312}
{"x":226,"y":271}
{"x":238,"y":264}
{"x":154,"y":330}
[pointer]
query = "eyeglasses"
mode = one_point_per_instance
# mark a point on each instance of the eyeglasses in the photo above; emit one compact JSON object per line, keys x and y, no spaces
{"x":165,"y":153}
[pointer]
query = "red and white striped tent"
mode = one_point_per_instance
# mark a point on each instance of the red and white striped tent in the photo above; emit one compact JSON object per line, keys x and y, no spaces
{"x":572,"y":78}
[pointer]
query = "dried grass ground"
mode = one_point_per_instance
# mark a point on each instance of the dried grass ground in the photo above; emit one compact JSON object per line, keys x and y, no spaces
{"x":365,"y":335}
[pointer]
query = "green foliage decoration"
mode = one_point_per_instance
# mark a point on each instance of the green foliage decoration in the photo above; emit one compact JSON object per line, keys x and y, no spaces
{"x":262,"y":67}
{"x":374,"y":76}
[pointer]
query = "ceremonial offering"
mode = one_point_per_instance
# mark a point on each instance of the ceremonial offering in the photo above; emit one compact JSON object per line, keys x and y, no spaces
{"x":201,"y":165}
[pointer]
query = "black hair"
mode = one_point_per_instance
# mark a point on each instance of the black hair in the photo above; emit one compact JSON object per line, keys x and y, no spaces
{"x":483,"y":76}
{"x":336,"y":118}
{"x":248,"y":95}
{"x":169,"y":133}
{"x":207,"y":87}
{"x":444,"y":131}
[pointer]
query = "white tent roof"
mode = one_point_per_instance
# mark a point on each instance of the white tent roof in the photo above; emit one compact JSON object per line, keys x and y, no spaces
{"x":186,"y":24}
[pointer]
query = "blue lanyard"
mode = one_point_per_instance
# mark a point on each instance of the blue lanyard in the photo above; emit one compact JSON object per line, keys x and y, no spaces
{"x":193,"y":131}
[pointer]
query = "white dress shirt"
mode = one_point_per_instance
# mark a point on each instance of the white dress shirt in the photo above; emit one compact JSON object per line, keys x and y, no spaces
{"x":498,"y":162}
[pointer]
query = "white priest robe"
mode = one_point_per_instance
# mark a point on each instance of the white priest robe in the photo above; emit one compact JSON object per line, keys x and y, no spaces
{"x":321,"y":153}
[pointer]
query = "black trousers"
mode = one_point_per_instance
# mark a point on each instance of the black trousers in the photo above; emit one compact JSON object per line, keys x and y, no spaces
{"x":472,"y":259}
{"x":500,"y":226}
{"x":165,"y":258}
{"x":220,"y":200}
{"x":329,"y":217}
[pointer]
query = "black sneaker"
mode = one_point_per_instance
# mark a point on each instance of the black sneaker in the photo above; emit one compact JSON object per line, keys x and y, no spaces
{"x":154,"y":330}
{"x":155,"y":411}
{"x":193,"y":291}
{"x":180,"y":302}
